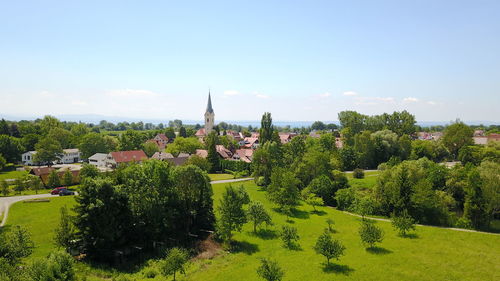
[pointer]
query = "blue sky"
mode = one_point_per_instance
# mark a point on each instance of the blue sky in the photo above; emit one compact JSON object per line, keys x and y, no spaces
{"x":300,"y":60}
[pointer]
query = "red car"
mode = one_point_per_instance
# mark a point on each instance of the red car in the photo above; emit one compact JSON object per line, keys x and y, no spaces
{"x":56,"y":190}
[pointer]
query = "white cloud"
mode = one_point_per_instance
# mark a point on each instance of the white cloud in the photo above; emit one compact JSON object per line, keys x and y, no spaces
{"x":261,"y":96}
{"x":231,"y":93}
{"x":410,"y":99}
{"x":432,"y":102}
{"x":350,"y":94}
{"x":131,"y":93}
{"x":324,"y":95}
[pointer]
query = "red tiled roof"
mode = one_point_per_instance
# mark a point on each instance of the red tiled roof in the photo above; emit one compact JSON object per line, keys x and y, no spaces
{"x":162,"y":156}
{"x":223,"y":152}
{"x":200,"y":132}
{"x":128,"y":156}
{"x":245,"y":155}
{"x":42,"y":171}
{"x":162,"y":137}
{"x":203,"y":153}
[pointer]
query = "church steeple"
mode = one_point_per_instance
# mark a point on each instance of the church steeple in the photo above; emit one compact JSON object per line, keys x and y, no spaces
{"x":209,"y":105}
{"x":209,"y":116}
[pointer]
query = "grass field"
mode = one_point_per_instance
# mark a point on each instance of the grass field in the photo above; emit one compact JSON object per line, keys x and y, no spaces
{"x":433,"y":254}
{"x":218,"y":177}
{"x":11,"y":174}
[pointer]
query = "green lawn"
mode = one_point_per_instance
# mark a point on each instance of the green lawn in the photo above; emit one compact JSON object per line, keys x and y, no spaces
{"x":40,"y":219}
{"x":434,"y":254}
{"x":218,"y":177}
{"x":12,"y":174}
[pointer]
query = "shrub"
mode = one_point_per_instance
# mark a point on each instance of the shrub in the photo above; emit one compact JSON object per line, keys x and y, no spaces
{"x":370,"y":233}
{"x":329,"y":247}
{"x":358,"y":173}
{"x":403,"y":223}
{"x":345,"y":198}
{"x":270,"y":270}
{"x":289,"y":236}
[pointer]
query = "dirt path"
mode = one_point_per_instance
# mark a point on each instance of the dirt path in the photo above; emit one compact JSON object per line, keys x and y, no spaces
{"x":442,"y":227}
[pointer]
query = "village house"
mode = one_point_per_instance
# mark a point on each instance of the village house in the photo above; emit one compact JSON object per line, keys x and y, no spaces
{"x":44,"y":173}
{"x":160,"y":140}
{"x":244,"y":155}
{"x":98,"y":159}
{"x":116,"y":158}
{"x":251,"y":142}
{"x":165,"y":156}
{"x":71,"y":155}
{"x":222,"y":151}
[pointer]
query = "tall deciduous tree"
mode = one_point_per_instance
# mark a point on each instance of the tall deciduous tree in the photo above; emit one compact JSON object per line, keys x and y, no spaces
{"x":48,"y":150}
{"x":269,"y":270}
{"x":456,"y":136}
{"x":266,"y":128}
{"x":65,"y":231}
{"x":232,"y":216}
{"x":283,"y":189}
{"x":258,"y":215}
{"x":213,"y":156}
{"x":174,"y":262}
{"x":329,"y":247}
{"x":53,"y":179}
{"x":10,"y":148}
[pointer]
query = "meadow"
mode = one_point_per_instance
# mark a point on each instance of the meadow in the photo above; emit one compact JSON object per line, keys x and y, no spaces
{"x":430,"y":254}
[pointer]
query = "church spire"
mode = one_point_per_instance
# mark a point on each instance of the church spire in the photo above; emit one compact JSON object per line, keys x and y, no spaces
{"x":209,"y":105}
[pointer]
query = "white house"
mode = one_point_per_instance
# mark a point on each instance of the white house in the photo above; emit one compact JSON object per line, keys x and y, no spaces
{"x":98,"y":159}
{"x":27,"y":158}
{"x":69,"y":156}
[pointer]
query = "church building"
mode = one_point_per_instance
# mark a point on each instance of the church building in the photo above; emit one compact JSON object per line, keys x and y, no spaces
{"x":209,"y":120}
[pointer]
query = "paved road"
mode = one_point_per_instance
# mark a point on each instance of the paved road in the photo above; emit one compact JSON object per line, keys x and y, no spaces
{"x":6,"y":202}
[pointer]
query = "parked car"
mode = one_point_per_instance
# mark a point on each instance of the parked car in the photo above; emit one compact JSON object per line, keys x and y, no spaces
{"x":56,"y":190}
{"x":64,"y":192}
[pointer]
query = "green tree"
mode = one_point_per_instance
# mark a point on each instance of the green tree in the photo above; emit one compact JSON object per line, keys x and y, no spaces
{"x":329,"y":247}
{"x":65,"y":231}
{"x":10,"y":148}
{"x":213,"y":156}
{"x":131,"y":140}
{"x":490,"y":177}
{"x":53,"y":179}
{"x":48,"y":123}
{"x":232,"y":216}
{"x":330,"y":223}
{"x":289,"y":236}
{"x":93,"y":143}
{"x":48,"y":150}
{"x":102,"y":216}
{"x":62,"y":136}
{"x":283,"y":189}
{"x":57,"y":266}
{"x":186,"y":145}
{"x":370,"y":233}
{"x":4,"y":128}
{"x":18,"y":244}
{"x":456,"y":136}
{"x":182,"y":132}
{"x":89,"y":171}
{"x":403,"y":223}
{"x":475,"y":204}
{"x":150,"y":148}
{"x":311,"y":198}
{"x":266,"y":128}
{"x":170,"y":133}
{"x":352,"y":120}
{"x":258,"y":215}
{"x":269,"y":270}
{"x":67,"y":179}
{"x":174,"y":262}
{"x":198,"y":161}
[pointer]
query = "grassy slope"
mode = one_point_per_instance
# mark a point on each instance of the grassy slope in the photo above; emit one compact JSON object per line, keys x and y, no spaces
{"x":41,"y":219}
{"x":437,"y":254}
{"x":11,"y":174}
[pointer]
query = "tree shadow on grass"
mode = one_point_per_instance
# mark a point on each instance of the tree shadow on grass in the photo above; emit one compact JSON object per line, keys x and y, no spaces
{"x":318,"y":213}
{"x":265,"y":234}
{"x":410,"y":236}
{"x":337,"y":268}
{"x":299,"y":214}
{"x":378,"y":250}
{"x":244,"y":247}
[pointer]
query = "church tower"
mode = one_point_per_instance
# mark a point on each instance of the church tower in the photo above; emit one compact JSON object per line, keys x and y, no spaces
{"x":209,"y":116}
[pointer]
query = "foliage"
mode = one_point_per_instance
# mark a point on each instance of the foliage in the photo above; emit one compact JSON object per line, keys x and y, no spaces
{"x":17,"y":244}
{"x":200,"y":162}
{"x":269,"y":270}
{"x":174,"y":262}
{"x":102,"y":217}
{"x":403,"y":223}
{"x":266,"y":128}
{"x":4,"y":188}
{"x":456,"y":136}
{"x":53,"y":179}
{"x":289,"y":236}
{"x":150,"y":148}
{"x":57,"y":266}
{"x":67,"y":179}
{"x":475,"y":204}
{"x":370,"y":233}
{"x":93,"y":143}
{"x":358,"y":174}
{"x":186,"y":145}
{"x":213,"y":156}
{"x":328,"y":247}
{"x":283,"y":189}
{"x":266,"y":158}
{"x":311,"y":198}
{"x":48,"y":150}
{"x":232,"y":216}
{"x":65,"y":232}
{"x":3,"y":162}
{"x":258,"y":215}
{"x":88,"y":171}
{"x":131,"y":140}
{"x":10,"y":148}
{"x":330,"y":223}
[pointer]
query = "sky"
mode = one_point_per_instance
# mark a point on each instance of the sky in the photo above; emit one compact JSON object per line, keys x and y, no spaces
{"x":299,"y":60}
